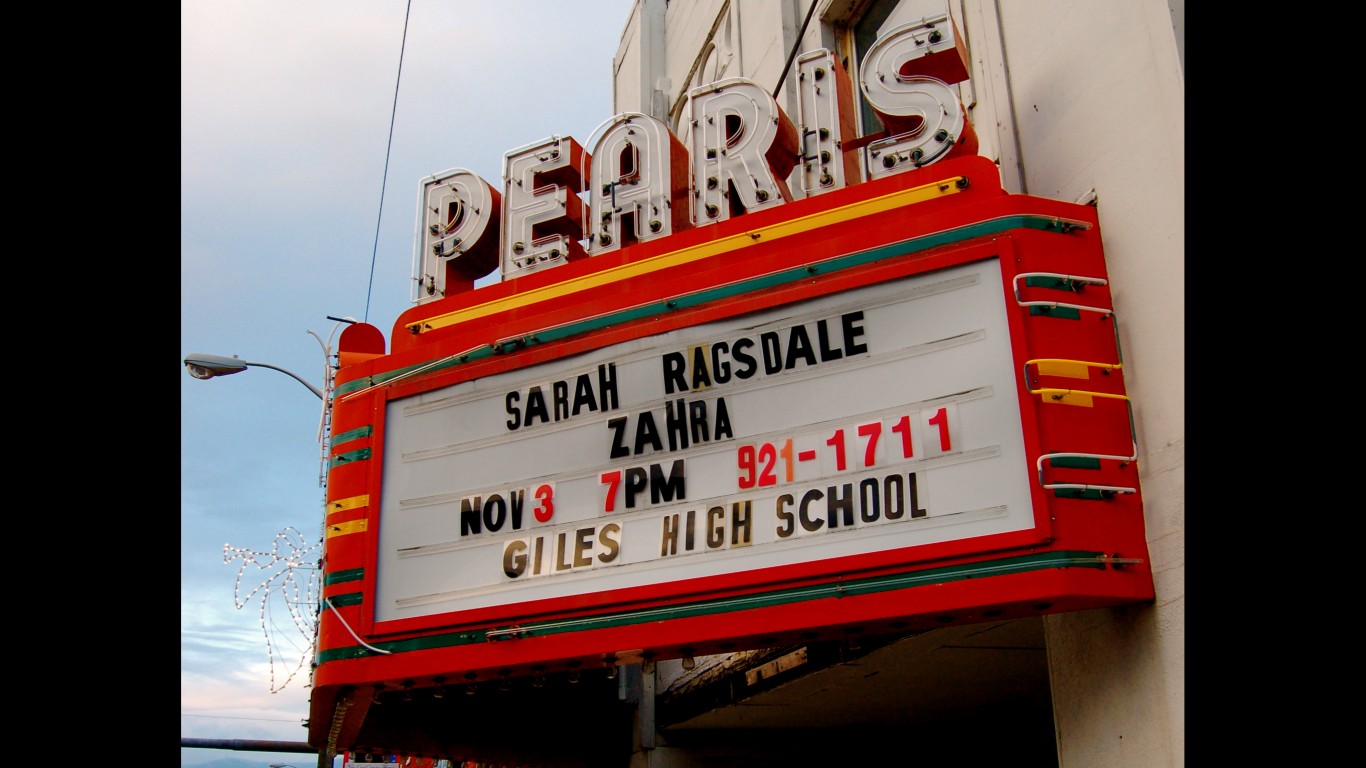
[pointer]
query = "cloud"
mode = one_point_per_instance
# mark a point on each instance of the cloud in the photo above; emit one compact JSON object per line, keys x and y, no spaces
{"x":289,"y":216}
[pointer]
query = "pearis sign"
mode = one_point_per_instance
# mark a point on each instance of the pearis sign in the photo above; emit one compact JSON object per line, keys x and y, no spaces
{"x":643,"y":184}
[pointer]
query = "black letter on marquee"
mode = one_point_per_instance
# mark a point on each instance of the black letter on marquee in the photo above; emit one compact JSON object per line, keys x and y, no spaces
{"x":916,"y":511}
{"x":869,"y":507}
{"x":716,"y":529}
{"x":514,"y":559}
{"x":740,"y":523}
{"x":513,"y":410}
{"x":535,"y":406}
{"x":469,"y":515}
{"x":723,"y":429}
{"x":607,"y":382}
{"x":668,"y":542}
{"x":823,"y":340}
{"x":560,"y":398}
{"x":788,"y":526}
{"x":583,"y":394}
{"x":746,"y":361}
{"x":670,"y":489}
{"x":852,"y":330}
{"x":697,"y":414}
{"x":808,"y":522}
{"x":582,"y":544}
{"x":799,"y":344}
{"x":647,"y":433}
{"x":893,"y":490}
{"x":618,"y":427}
{"x":674,"y":366}
{"x":606,"y":537}
{"x":701,"y":377}
{"x":836,"y":504}
{"x":636,"y":478}
{"x":517,"y":500}
{"x":720,"y":369}
{"x":773,"y":352}
{"x":676,"y":424}
{"x":495,"y":513}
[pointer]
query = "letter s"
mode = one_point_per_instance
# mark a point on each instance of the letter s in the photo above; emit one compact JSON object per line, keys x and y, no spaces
{"x":513,"y":410}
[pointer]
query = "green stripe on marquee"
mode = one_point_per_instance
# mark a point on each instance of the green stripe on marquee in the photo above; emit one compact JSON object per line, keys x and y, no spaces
{"x":352,"y":434}
{"x":873,"y":585}
{"x":359,"y":454}
{"x":350,"y":598}
{"x":1065,"y":313}
{"x":795,"y":274}
{"x":341,"y":577}
{"x":1075,"y":462}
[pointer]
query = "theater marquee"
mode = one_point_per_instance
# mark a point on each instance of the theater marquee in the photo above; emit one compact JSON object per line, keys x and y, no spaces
{"x":887,"y":405}
{"x":908,"y":382}
{"x":871,"y":420}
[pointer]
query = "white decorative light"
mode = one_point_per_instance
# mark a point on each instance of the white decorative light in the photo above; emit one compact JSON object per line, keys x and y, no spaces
{"x":290,"y":572}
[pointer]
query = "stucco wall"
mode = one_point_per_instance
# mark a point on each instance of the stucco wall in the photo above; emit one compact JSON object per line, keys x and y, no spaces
{"x":1076,"y":100}
{"x":1098,"y":99}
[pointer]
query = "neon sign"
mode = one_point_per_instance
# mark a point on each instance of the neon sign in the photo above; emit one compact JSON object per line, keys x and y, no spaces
{"x":643,"y":184}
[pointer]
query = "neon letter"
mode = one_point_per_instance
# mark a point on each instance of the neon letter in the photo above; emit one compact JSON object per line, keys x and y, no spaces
{"x":640,"y":174}
{"x":743,"y":148}
{"x":459,"y":222}
{"x":825,"y":117}
{"x":924,"y":118}
{"x":542,"y":212}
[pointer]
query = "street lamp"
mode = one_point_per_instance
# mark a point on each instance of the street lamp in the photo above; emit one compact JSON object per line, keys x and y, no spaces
{"x":205,"y":366}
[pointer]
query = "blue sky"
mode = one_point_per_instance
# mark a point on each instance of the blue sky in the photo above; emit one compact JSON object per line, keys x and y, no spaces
{"x":285,"y":123}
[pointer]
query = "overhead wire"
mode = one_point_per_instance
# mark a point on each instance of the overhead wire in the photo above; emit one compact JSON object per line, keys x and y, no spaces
{"x":796,"y":44}
{"x":374,"y":253}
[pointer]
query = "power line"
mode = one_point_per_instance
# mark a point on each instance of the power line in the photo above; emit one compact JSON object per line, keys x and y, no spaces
{"x":384,"y":182}
{"x":229,"y":717}
{"x":777,"y":89}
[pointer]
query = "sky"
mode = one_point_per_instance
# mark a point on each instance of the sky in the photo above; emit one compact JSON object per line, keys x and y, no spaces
{"x":288,"y":218}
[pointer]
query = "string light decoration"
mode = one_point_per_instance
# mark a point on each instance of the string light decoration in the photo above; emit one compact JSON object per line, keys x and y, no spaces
{"x":291,"y":573}
{"x":293,"y":566}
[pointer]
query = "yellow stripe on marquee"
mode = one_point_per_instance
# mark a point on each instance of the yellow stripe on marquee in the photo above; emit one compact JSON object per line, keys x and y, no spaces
{"x":1069,"y":397}
{"x":789,"y":228}
{"x":342,"y":529}
{"x":1073,"y":396}
{"x":355,"y":502}
{"x":1071,"y":369}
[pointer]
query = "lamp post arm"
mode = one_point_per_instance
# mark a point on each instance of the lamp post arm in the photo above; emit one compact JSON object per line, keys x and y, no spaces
{"x":296,"y":376}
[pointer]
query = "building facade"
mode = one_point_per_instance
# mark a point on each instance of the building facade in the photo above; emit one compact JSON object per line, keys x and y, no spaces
{"x":810,"y":225}
{"x":1081,"y":102}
